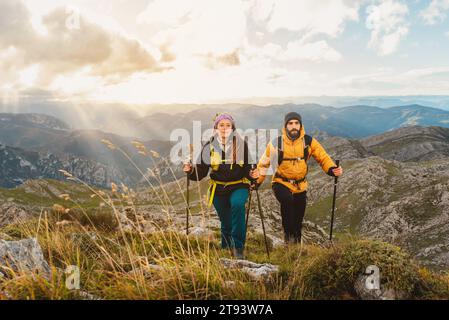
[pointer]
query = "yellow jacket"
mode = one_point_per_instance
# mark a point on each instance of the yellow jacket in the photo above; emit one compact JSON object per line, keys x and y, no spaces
{"x":294,"y":170}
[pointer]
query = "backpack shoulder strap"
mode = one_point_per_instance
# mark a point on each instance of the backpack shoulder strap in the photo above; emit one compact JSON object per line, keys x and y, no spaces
{"x":307,"y":143}
{"x":308,"y":139}
{"x":280,"y":148}
{"x":211,"y":148}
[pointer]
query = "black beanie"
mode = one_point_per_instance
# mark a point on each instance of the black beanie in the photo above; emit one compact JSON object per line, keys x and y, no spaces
{"x":290,"y":116}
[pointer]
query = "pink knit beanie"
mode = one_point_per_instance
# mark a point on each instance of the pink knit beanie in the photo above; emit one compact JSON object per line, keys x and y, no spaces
{"x":223,"y":116}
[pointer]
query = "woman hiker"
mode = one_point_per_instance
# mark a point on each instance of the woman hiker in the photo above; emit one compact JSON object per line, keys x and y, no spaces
{"x":289,"y":154}
{"x":226,"y":154}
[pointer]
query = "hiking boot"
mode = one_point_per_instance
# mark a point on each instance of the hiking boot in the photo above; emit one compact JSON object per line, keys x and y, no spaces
{"x":238,"y":253}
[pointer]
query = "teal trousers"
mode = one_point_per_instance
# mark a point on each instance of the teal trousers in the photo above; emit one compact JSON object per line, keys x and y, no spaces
{"x":231,"y":211}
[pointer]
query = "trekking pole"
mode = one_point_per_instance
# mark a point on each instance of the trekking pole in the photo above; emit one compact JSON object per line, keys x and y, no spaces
{"x":188,"y":205}
{"x":249,"y":207}
{"x":258,"y":200}
{"x":263,"y":224}
{"x":333,"y":201}
{"x":188,"y":193}
{"x":253,"y":166}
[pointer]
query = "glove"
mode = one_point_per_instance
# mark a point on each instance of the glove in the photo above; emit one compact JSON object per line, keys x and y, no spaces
{"x":329,"y":172}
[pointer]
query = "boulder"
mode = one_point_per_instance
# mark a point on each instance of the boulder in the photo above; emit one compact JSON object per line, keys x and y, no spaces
{"x":364,"y":293}
{"x":22,"y":256}
{"x":256,"y":271}
{"x":11,"y":213}
{"x":199,"y":232}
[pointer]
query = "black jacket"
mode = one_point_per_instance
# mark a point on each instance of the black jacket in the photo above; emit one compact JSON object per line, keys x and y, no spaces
{"x":235,"y":154}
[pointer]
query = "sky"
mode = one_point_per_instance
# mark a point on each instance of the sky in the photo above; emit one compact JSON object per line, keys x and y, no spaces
{"x":206,"y":51}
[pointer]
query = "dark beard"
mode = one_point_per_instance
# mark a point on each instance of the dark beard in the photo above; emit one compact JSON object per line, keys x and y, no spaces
{"x":293,"y":134}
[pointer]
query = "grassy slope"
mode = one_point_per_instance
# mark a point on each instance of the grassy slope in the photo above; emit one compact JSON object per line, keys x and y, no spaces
{"x":115,"y":265}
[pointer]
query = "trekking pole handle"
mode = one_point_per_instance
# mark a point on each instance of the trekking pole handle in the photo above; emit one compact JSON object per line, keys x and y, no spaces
{"x":337,"y":162}
{"x":188,"y":159}
{"x":253,"y":181}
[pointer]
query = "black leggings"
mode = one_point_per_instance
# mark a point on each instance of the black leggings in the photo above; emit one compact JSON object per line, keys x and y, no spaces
{"x":293,"y":207}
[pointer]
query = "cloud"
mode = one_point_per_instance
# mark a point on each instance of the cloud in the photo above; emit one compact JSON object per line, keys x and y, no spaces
{"x":389,"y":82}
{"x":70,"y":44}
{"x":302,"y":22}
{"x":318,"y":51}
{"x":208,"y":49}
{"x":311,"y":17}
{"x":435,"y":12}
{"x":315,"y":51}
{"x":15,"y":26}
{"x":388,"y":25}
{"x":202,"y":28}
{"x":219,"y":32}
{"x":261,"y":10}
{"x":214,"y":61}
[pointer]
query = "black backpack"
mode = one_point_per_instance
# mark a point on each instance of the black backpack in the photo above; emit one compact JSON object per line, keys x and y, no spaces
{"x":307,"y":143}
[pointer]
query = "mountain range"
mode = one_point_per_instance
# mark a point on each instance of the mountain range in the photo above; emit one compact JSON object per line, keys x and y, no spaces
{"x":36,"y":146}
{"x":350,"y":122}
{"x":356,"y":120}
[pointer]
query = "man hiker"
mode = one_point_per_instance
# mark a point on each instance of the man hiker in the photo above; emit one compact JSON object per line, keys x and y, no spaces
{"x":290,"y":153}
{"x":226,"y":154}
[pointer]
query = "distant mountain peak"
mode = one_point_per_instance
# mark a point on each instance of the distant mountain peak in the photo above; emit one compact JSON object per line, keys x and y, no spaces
{"x":35,"y":120}
{"x":417,"y":107}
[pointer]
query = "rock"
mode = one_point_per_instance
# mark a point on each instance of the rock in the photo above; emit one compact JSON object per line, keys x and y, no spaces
{"x":254,"y":270}
{"x":202,"y":233}
{"x":147,"y":270}
{"x":19,"y":165}
{"x":342,"y":148}
{"x":154,"y":267}
{"x":375,"y":294}
{"x":64,"y":223}
{"x":22,"y":256}
{"x":88,"y":296}
{"x":11,"y":213}
{"x":410,"y":143}
{"x":314,"y":234}
{"x":276,"y":242}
